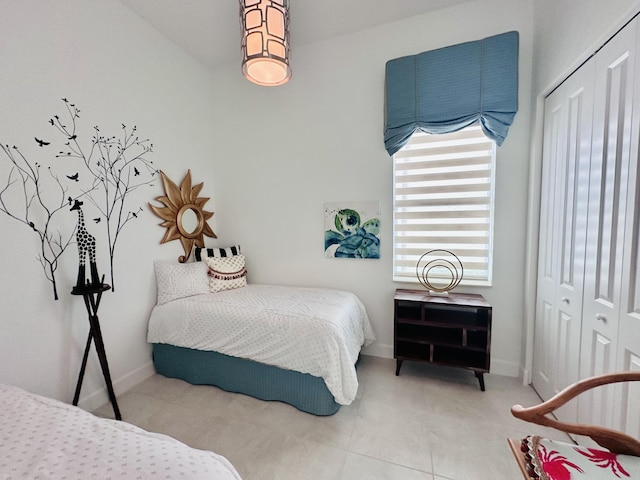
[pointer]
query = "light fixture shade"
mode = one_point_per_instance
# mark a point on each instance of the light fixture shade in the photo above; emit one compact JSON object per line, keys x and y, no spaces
{"x":265,"y":41}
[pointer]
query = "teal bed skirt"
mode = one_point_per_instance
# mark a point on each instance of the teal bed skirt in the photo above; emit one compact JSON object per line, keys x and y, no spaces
{"x":266,"y":382}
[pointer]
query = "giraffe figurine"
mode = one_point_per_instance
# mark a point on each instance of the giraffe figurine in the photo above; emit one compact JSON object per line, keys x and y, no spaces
{"x":86,"y":245}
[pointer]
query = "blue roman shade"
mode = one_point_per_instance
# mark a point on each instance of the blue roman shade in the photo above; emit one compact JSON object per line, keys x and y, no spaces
{"x":447,"y":89}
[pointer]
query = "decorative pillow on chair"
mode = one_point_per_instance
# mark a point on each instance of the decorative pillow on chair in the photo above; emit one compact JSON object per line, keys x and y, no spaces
{"x":179,"y":280}
{"x":551,"y":459}
{"x":202,"y":253}
{"x":226,"y":273}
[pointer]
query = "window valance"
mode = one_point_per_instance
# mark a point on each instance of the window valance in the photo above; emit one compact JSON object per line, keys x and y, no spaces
{"x":445,"y":90}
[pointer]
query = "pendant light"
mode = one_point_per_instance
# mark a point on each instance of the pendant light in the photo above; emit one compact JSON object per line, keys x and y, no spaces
{"x":265,"y":41}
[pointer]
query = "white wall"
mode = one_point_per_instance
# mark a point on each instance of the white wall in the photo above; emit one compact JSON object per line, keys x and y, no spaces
{"x":568,"y":31}
{"x":281,"y":153}
{"x":117,"y":70}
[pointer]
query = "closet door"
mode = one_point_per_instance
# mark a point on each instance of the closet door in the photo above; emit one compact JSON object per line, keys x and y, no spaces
{"x":545,"y":353}
{"x":564,"y":202}
{"x":628,"y":408}
{"x":608,"y":208}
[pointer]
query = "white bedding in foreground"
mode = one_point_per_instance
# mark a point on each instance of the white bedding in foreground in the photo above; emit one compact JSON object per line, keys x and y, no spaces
{"x":309,"y":330}
{"x":42,"y":438}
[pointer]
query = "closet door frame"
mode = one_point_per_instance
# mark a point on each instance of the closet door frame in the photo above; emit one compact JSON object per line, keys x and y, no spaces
{"x":535,"y":173}
{"x":610,"y":311}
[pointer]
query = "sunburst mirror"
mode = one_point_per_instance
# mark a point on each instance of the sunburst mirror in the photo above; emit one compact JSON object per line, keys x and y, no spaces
{"x":183,"y":213}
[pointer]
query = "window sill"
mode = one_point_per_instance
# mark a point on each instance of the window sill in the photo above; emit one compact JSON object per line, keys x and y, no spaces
{"x":464,"y":282}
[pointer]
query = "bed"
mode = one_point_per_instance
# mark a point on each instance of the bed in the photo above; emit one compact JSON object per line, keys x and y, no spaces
{"x":297,"y":345}
{"x":44,"y":438}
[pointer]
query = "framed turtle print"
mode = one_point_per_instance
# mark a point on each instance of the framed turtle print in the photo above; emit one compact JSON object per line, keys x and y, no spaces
{"x":352,"y":229}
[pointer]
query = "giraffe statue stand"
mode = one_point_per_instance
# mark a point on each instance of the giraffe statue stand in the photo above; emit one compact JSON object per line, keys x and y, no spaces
{"x":86,"y":247}
{"x":92,"y":293}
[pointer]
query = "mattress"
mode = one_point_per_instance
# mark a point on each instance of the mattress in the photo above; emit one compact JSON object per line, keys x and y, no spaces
{"x":44,"y":438}
{"x":308,"y":330}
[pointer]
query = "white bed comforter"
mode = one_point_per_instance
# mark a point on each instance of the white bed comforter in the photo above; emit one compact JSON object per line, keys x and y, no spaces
{"x":47,"y":439}
{"x":309,"y":330}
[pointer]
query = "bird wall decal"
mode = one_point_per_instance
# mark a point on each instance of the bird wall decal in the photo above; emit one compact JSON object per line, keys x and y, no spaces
{"x":41,"y":143}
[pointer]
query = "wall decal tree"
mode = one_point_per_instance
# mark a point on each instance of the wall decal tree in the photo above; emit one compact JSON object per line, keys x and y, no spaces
{"x":35,"y":211}
{"x":104,"y":173}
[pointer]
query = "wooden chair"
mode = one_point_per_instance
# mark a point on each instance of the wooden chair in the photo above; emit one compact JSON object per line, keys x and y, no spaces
{"x":537,"y":457}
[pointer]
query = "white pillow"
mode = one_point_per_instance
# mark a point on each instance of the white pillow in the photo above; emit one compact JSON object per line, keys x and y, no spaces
{"x":179,"y":280}
{"x":226,"y":273}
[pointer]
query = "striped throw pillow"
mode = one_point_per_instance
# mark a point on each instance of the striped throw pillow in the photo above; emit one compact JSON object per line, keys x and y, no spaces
{"x":202,"y":253}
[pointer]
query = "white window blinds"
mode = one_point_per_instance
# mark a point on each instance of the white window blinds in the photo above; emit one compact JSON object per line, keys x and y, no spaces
{"x":443,"y":199}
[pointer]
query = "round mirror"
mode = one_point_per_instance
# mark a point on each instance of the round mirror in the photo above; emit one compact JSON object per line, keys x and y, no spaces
{"x":189,"y":221}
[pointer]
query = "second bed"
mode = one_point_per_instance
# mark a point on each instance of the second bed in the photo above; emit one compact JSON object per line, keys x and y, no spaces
{"x":293,"y":344}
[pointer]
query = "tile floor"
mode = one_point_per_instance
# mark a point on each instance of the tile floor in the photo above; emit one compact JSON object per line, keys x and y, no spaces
{"x":430,"y":423}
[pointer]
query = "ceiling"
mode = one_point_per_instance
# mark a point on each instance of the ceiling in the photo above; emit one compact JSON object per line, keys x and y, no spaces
{"x":209,"y":30}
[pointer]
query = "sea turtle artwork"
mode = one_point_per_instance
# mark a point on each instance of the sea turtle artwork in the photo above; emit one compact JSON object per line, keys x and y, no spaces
{"x":350,"y":236}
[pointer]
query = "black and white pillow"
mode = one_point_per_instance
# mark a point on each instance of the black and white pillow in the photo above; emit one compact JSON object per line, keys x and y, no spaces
{"x":202,"y":253}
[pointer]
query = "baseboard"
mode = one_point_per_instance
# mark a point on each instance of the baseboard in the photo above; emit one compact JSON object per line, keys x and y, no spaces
{"x":507,"y":369}
{"x":96,"y":399}
{"x":379,"y":350}
{"x":498,"y":367}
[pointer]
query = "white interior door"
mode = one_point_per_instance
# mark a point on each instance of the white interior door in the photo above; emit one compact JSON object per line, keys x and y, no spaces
{"x":627,"y":414}
{"x":564,"y":203}
{"x":544,"y":357}
{"x":610,"y":159}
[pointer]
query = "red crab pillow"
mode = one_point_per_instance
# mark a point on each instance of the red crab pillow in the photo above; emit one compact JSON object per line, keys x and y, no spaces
{"x":552,"y":460}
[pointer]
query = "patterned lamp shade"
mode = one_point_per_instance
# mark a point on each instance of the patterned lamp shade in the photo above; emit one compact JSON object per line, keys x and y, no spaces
{"x":265,"y":41}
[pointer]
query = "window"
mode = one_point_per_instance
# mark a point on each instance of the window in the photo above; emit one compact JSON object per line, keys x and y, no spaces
{"x":443,"y":199}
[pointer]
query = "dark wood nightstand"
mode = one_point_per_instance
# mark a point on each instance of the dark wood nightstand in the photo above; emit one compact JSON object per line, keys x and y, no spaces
{"x":453,"y":330}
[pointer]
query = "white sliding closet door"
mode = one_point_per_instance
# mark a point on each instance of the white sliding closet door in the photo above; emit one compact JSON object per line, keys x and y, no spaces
{"x":608,"y":213}
{"x":564,"y":202}
{"x":627,"y":412}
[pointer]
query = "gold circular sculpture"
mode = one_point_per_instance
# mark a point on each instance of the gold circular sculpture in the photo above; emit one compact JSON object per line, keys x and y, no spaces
{"x":183,"y":213}
{"x":442,"y":265}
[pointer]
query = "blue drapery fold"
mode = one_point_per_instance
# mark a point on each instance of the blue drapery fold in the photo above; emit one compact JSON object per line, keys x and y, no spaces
{"x":448,"y":89}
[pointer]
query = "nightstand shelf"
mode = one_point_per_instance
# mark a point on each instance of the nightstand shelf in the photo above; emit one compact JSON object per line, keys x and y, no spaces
{"x":453,"y":330}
